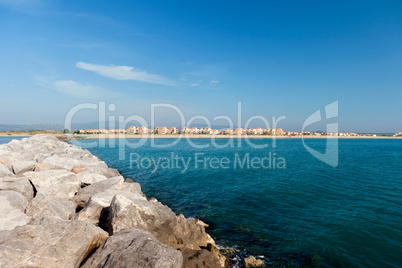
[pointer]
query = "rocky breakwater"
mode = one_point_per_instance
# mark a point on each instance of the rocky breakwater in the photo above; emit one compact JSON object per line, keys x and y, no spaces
{"x":60,"y":206}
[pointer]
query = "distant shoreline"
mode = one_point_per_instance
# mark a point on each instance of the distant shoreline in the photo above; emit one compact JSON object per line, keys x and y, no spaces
{"x":194,"y":136}
{"x":17,"y":135}
{"x":27,"y":133}
{"x":197,"y":136}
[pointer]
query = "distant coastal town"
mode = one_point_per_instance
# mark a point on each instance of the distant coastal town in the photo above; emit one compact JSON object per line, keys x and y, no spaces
{"x":209,"y":131}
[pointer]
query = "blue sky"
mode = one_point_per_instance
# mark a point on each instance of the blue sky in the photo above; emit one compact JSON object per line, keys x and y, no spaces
{"x":276,"y":57}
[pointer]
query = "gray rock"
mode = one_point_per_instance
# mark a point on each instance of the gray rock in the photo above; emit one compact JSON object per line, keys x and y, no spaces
{"x":200,"y":258}
{"x":83,"y":195}
{"x":115,"y":205}
{"x":192,"y":235}
{"x":44,"y":166}
{"x":8,"y":161}
{"x":10,"y":217}
{"x":3,"y":150}
{"x":4,"y":171}
{"x":134,"y":248}
{"x":155,"y":218}
{"x":102,"y":170}
{"x":161,"y":221}
{"x":39,"y":157}
{"x":62,"y":244}
{"x":25,"y":155}
{"x":132,"y":186}
{"x":62,"y":162}
{"x":23,"y":166}
{"x":93,"y":208}
{"x":15,"y":199}
{"x":48,"y":220}
{"x":21,"y":185}
{"x":43,"y":179}
{"x":63,"y":188}
{"x":44,"y":137}
{"x":73,"y":157}
{"x":43,"y":205}
{"x":89,"y":178}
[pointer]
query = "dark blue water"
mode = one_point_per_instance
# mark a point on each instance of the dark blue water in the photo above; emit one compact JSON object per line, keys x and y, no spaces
{"x":8,"y":139}
{"x":301,"y":214}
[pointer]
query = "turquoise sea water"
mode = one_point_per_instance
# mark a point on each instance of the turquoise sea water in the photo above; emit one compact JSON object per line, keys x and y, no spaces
{"x":307,"y":214}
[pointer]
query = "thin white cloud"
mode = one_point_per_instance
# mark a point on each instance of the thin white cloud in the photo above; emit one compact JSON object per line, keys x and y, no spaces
{"x":74,"y":88}
{"x":125,"y":73}
{"x":214,"y":83}
{"x":42,"y":81}
{"x":196,"y":83}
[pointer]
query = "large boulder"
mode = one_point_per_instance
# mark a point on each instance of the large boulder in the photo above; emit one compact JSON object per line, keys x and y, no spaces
{"x":64,"y":188}
{"x":134,"y":248}
{"x":72,"y":157}
{"x":62,"y":162}
{"x":57,"y":183}
{"x":11,"y":215}
{"x":101,"y":201}
{"x":191,"y":235}
{"x":162,"y":222}
{"x":5,"y":171}
{"x":200,"y":258}
{"x":101,"y":169}
{"x":48,"y":220}
{"x":44,"y":166}
{"x":155,"y":218}
{"x":18,"y":151}
{"x":15,"y":199}
{"x":43,"y":205}
{"x":8,"y":161}
{"x":39,"y":157}
{"x":83,"y":195}
{"x":21,"y":185}
{"x":41,"y":138}
{"x":43,"y":179}
{"x":132,"y":186}
{"x":87,"y":178}
{"x":21,"y":167}
{"x":60,"y":244}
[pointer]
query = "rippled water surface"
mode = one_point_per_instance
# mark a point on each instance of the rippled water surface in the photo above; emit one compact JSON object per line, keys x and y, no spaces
{"x":307,"y":214}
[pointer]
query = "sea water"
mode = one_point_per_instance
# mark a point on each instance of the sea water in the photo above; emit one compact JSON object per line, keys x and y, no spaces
{"x":301,"y":214}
